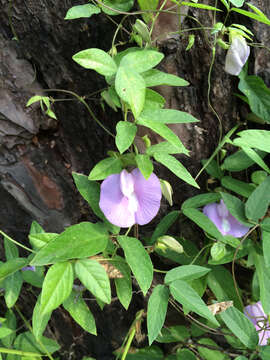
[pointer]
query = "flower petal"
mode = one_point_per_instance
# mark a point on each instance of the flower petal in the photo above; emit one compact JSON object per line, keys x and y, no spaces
{"x":114,"y":204}
{"x":149,"y":194}
{"x":236,"y":56}
{"x":236,"y":228}
{"x":211,"y":211}
{"x":258,"y":317}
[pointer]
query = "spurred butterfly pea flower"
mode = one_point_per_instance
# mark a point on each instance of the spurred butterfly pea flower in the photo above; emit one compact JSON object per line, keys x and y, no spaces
{"x":259,"y":319}
{"x":128,"y":198}
{"x":237,"y":55}
{"x":224,"y":221}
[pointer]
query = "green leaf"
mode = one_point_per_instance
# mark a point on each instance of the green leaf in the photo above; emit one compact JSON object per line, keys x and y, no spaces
{"x":12,"y":285}
{"x":188,"y":297}
{"x":123,"y":285}
{"x":141,"y":60}
{"x":39,"y":320}
{"x":130,"y":86}
{"x":35,"y":278}
{"x":166,"y":116}
{"x":34,"y":99}
{"x":213,"y":168}
{"x":148,"y":353}
{"x":147,"y":6}
{"x":155,"y":77}
{"x":200,"y":200}
{"x":96,"y":59}
{"x":105,"y":168}
{"x":225,"y":3}
{"x":176,"y":167}
{"x":185,"y":354}
{"x":153,"y":100}
{"x":56,"y":287}
{"x":221,"y":283}
{"x":82,"y":11}
{"x":120,"y":5}
{"x":80,"y":312}
{"x":199,"y":6}
{"x":39,"y":240}
{"x":252,"y":15}
{"x":239,"y":161}
{"x":178,"y":333}
{"x":156,"y":311}
{"x":203,"y":221}
{"x":163,"y":226}
{"x":266,"y":243}
{"x":257,"y":177}
{"x":138,"y":260}
{"x":264,"y":352}
{"x":27,"y":342}
{"x":237,"y":186}
{"x":164,"y":131}
{"x":257,"y":204}
{"x":90,"y":191}
{"x":94,"y":278}
{"x":77,"y":241}
{"x":256,"y":158}
{"x":237,"y":3}
{"x":11,"y":250}
{"x":125,"y":134}
{"x":167,"y":148}
{"x":258,"y":95}
{"x":210,"y":354}
{"x":259,"y":139}
{"x":186,"y":273}
{"x":235,"y":207}
{"x":4,"y":331}
{"x":10,"y":323}
{"x":11,"y":266}
{"x":144,"y":164}
{"x":240,"y":326}
{"x":263,"y":274}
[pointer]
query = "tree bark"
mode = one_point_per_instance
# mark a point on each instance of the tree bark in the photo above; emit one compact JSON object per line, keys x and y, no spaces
{"x":37,"y":154}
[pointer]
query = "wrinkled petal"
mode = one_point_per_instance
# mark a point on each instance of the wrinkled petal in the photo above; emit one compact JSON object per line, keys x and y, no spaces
{"x":149,"y":194}
{"x":211,"y":211}
{"x":259,"y":319}
{"x":237,"y":55}
{"x":114,"y":204}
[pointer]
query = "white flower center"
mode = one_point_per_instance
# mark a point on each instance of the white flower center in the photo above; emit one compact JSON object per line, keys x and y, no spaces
{"x":127,"y":188}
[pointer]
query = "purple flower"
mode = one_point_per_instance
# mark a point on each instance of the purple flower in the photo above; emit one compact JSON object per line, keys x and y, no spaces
{"x":259,"y":319}
{"x":31,"y":268}
{"x":224,"y":221}
{"x":128,"y":198}
{"x":237,"y":55}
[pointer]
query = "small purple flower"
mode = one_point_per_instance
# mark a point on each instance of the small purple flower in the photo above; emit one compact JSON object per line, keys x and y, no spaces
{"x":224,"y":221}
{"x":128,"y":198}
{"x":259,"y":319}
{"x":31,"y":268}
{"x":237,"y":55}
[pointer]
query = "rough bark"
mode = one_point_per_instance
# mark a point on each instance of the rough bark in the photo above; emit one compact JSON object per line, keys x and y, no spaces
{"x":37,"y":154}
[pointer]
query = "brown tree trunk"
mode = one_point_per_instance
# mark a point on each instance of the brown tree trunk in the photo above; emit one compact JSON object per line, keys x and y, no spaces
{"x":37,"y":154}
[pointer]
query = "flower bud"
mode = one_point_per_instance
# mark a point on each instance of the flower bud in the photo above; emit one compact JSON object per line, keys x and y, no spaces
{"x":169,"y":243}
{"x":237,"y":55}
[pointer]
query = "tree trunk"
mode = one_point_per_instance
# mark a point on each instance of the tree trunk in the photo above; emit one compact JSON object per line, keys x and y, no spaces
{"x":38,"y":154}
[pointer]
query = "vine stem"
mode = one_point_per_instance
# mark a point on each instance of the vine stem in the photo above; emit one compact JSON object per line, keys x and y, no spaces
{"x":31,"y":330}
{"x":81,"y":99}
{"x":16,"y":242}
{"x":19,"y":352}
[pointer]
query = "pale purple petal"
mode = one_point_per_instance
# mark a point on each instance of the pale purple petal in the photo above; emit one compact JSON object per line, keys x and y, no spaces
{"x":211,"y":211}
{"x":237,"y":229}
{"x":224,"y":221}
{"x":259,"y":319}
{"x":114,"y":204}
{"x":149,"y":194}
{"x":236,"y":56}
